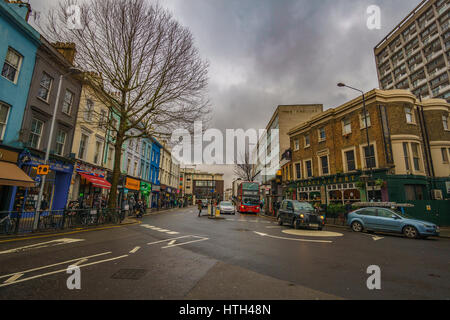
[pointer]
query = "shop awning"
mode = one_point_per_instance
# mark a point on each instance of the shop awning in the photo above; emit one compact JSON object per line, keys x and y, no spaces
{"x":12,"y":175}
{"x":96,"y":181}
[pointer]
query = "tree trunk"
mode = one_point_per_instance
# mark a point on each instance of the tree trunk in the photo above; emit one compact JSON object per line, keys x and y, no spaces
{"x":112,"y":203}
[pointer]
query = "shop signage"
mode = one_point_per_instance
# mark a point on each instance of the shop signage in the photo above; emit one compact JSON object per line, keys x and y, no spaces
{"x":146,"y":187}
{"x":132,"y":184}
{"x":156,"y":188}
{"x":43,"y":170}
{"x":54,"y":166}
{"x":90,"y":170}
{"x":7,"y":155}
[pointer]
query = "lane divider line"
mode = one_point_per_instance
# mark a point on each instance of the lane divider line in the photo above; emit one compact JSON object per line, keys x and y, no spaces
{"x":135,"y":250}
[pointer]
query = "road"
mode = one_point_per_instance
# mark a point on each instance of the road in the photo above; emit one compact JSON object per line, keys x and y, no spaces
{"x":177,"y":255}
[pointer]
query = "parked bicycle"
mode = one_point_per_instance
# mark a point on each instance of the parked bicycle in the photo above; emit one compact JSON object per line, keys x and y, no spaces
{"x":7,"y":225}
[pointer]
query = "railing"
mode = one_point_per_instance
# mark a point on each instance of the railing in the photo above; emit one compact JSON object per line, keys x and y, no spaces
{"x":13,"y":222}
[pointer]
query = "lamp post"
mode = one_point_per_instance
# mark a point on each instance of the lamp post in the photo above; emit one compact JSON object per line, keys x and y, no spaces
{"x":49,"y":142}
{"x":364,"y":177}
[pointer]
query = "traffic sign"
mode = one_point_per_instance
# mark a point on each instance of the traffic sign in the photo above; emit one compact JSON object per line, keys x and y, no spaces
{"x":43,"y":170}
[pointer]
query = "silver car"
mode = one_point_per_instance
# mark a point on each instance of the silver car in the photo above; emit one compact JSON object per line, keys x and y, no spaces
{"x":227,"y":207}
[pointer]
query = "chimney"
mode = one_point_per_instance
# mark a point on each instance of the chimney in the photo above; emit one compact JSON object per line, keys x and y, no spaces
{"x":67,"y":50}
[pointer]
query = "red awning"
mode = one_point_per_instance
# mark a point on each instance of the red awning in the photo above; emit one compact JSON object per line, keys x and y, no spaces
{"x":97,"y":181}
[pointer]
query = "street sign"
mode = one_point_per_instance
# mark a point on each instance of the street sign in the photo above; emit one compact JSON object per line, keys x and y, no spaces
{"x":43,"y":170}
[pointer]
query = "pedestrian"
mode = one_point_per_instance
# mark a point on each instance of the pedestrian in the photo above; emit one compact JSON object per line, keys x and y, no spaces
{"x":199,"y":206}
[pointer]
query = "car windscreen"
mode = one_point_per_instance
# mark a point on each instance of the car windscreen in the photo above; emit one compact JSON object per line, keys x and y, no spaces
{"x":302,"y":206}
{"x":226,"y":204}
{"x":250,"y":201}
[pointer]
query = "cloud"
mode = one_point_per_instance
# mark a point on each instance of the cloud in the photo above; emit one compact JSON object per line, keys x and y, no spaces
{"x":264,"y":53}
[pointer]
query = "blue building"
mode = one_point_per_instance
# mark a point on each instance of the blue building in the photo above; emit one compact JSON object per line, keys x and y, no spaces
{"x":18,"y":46}
{"x":154,"y":172}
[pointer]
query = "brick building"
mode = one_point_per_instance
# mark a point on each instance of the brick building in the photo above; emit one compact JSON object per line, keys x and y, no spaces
{"x":408,"y":159}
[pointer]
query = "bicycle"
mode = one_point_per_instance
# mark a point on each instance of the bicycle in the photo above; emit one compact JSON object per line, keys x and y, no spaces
{"x":7,"y":224}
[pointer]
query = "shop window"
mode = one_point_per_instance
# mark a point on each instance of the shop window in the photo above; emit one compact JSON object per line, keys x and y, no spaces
{"x":35,"y":133}
{"x":11,"y":66}
{"x":414,"y":192}
{"x":45,"y":86}
{"x":4,"y":112}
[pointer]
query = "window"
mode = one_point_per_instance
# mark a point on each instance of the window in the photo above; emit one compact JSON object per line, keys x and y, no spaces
{"x":445,"y":122}
{"x":60,"y":142}
{"x":322,"y":135}
{"x":135,"y":168}
{"x":45,"y":86}
{"x":409,"y":115}
{"x":98,"y":147}
{"x":68,"y":101}
{"x":4,"y":112}
{"x":307,"y":141}
{"x":11,"y":65}
{"x":89,"y":109}
{"x":350,"y":160}
{"x":406,"y":155}
{"x":346,"y":126}
{"x":298,"y":173}
{"x":369,"y":155}
{"x":324,"y":165}
{"x":296,"y":144}
{"x":102,"y":118}
{"x":83,"y":146}
{"x":128,"y":165}
{"x":110,"y":156}
{"x":444,"y":155}
{"x":415,"y":155}
{"x":362,"y":121}
{"x":384,"y":213}
{"x":35,"y":133}
{"x":308,"y":165}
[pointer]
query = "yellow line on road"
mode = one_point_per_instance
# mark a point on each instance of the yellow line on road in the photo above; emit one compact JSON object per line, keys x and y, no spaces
{"x":64,"y":233}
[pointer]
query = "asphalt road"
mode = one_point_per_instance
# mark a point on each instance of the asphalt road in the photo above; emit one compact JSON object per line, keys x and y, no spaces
{"x":177,"y":255}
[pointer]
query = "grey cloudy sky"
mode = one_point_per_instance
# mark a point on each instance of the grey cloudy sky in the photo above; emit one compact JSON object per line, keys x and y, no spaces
{"x":264,"y":53}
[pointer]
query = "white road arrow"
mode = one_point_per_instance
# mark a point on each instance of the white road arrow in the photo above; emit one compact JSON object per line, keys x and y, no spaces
{"x":292,"y":239}
{"x":42,"y":245}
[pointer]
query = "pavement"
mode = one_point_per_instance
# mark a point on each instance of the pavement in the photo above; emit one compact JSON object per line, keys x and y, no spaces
{"x":177,"y":255}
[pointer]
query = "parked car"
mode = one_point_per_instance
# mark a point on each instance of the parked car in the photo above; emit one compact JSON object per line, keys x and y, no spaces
{"x":299,"y":214}
{"x":389,"y":220}
{"x":227,"y":207}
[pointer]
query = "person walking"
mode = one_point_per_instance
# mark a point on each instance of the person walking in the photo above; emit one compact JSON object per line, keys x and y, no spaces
{"x":199,"y":206}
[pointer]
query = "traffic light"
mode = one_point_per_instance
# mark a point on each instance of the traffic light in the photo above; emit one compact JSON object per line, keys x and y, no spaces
{"x":279,"y":177}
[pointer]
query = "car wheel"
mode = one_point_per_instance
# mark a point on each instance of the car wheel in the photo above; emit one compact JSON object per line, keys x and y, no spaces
{"x":410,"y":232}
{"x":357,"y":226}
{"x":280,"y":222}
{"x":320,"y":228}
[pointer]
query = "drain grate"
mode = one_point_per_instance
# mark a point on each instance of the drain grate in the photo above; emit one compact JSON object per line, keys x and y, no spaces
{"x":129,"y":274}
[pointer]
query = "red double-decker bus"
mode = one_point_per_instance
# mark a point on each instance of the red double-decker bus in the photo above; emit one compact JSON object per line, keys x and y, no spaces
{"x":248,"y":197}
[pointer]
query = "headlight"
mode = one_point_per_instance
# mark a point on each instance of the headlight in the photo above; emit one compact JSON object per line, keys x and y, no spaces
{"x":322,"y":217}
{"x":302,"y":216}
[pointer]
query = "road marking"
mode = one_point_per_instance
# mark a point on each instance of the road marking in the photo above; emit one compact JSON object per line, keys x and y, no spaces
{"x":312,"y":233}
{"x":59,"y":271}
{"x":182,"y":244}
{"x":172,"y":232}
{"x":135,"y":250}
{"x":172,"y":242}
{"x":42,"y":245}
{"x":375,"y":238}
{"x":159,"y":229}
{"x":14,"y":278}
{"x":150,"y":243}
{"x":273,"y":227}
{"x":79,"y":262}
{"x":56,"y":264}
{"x":291,"y":239}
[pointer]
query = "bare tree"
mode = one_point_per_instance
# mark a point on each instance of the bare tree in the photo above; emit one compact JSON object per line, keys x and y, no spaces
{"x":147,"y":69}
{"x":243,"y":168}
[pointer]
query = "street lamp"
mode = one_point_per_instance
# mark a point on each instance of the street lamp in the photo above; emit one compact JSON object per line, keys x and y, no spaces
{"x":72,"y":70}
{"x":364,"y":177}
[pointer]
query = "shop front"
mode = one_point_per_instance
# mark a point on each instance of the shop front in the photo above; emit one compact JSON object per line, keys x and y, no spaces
{"x":11,"y":177}
{"x":89,"y":185}
{"x":56,"y":188}
{"x":132,"y":189}
{"x":146,"y":193}
{"x":155,"y":199}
